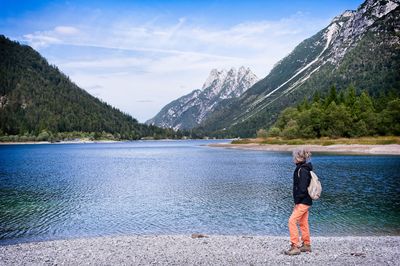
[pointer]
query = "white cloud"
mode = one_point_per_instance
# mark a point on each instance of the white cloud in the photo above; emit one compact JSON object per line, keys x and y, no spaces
{"x":159,"y":63}
{"x":66,"y":30}
{"x":108,"y":63}
{"x":39,"y":39}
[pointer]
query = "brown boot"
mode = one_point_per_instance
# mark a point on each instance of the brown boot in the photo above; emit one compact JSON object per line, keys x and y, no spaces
{"x":294,"y":250}
{"x":305,"y":248}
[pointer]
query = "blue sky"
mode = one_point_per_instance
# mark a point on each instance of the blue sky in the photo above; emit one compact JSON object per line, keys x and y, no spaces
{"x":140,"y":55}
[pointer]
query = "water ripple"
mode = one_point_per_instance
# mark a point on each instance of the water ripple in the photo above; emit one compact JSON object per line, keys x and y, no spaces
{"x":63,"y":191}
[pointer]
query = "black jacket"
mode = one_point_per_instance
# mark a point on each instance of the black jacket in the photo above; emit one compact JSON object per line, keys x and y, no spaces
{"x":301,"y":180}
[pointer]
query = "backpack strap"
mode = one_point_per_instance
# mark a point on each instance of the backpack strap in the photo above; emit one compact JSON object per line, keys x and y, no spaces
{"x":298,"y":173}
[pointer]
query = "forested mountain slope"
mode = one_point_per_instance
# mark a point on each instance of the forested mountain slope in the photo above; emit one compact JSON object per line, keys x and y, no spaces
{"x":359,"y":48}
{"x":36,"y":97}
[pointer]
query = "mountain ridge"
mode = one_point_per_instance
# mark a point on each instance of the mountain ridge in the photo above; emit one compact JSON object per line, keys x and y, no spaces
{"x":325,"y":59}
{"x":191,"y":109}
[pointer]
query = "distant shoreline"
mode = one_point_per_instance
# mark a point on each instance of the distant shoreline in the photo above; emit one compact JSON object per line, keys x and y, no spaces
{"x":387,"y":149}
{"x":60,"y":142}
{"x":210,"y":250}
{"x":84,"y":141}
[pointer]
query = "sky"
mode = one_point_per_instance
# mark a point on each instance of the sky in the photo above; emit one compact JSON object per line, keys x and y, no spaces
{"x":140,"y":55}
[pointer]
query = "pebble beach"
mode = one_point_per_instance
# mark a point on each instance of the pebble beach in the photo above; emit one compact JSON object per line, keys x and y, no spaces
{"x":204,"y":250}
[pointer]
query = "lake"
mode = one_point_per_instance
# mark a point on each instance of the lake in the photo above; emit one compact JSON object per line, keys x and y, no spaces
{"x":60,"y":191}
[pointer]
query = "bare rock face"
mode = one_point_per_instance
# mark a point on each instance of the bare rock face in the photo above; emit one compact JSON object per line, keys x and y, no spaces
{"x":190,"y":110}
{"x":352,"y":25}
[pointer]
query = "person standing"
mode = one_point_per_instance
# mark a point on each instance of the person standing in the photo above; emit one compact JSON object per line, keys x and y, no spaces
{"x":302,"y":201}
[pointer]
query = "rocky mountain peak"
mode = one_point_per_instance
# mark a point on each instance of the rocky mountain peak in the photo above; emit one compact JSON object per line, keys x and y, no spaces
{"x":190,"y":110}
{"x":344,"y":16}
{"x":226,"y":84}
{"x":215,"y":76}
{"x":349,"y":27}
{"x":243,"y":71}
{"x":379,"y":8}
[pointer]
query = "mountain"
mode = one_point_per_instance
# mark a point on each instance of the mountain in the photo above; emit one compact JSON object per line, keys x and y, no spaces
{"x":192,"y":109}
{"x":359,"y":48}
{"x":37,"y":97}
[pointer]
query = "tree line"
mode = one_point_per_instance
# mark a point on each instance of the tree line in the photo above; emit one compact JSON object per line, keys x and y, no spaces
{"x":339,"y":114}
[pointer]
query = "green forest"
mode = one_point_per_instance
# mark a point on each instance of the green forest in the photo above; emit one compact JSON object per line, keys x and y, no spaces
{"x":40,"y":103}
{"x":344,"y":114}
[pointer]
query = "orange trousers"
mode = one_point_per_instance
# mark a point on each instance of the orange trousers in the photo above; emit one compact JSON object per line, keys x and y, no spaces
{"x":299,"y":215}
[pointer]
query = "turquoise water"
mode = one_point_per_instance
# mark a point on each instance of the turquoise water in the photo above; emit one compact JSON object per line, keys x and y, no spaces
{"x":181,"y":187}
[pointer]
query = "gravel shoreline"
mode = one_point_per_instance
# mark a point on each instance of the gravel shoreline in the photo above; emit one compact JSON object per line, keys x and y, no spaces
{"x":212,"y":250}
{"x":389,"y":149}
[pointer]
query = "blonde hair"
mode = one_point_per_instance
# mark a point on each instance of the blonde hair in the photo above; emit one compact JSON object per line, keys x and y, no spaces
{"x":301,"y":155}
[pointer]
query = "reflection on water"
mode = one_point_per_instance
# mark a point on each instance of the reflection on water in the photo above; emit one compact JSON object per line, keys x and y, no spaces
{"x":175,"y":187}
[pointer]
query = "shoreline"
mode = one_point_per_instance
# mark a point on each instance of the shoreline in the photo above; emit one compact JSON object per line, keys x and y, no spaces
{"x":210,"y":250}
{"x":358,"y":149}
{"x":60,"y":142}
{"x":86,"y":141}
